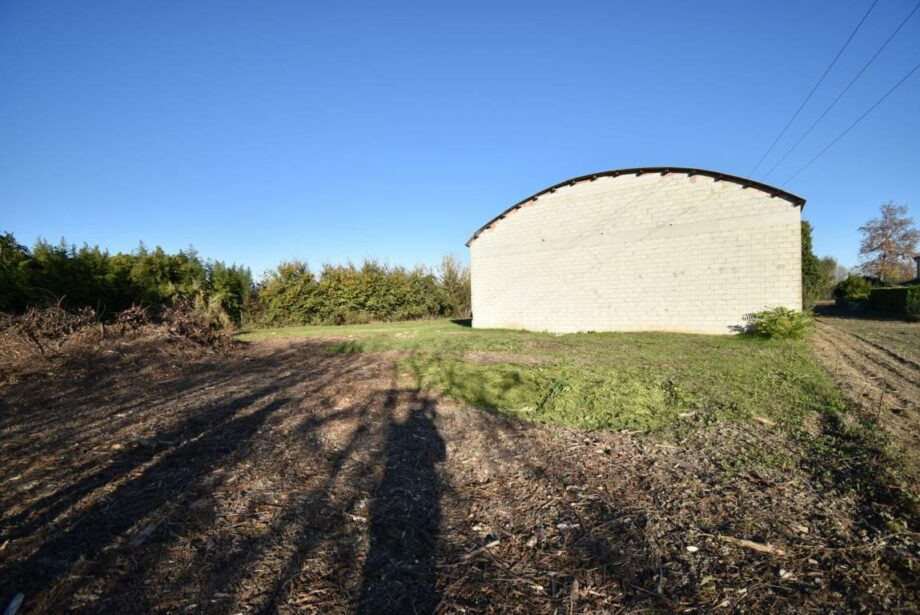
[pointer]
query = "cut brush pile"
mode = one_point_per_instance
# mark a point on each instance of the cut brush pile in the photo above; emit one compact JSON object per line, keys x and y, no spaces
{"x":43,"y":339}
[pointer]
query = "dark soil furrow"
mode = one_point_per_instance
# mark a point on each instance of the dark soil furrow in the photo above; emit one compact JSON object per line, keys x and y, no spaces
{"x":885,"y":390}
{"x":888,"y":351}
{"x":895,"y":377}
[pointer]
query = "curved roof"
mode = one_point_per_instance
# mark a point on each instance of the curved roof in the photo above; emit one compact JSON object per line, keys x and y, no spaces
{"x":744,"y":182}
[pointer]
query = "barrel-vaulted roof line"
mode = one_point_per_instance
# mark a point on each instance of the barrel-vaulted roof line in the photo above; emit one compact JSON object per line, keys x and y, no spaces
{"x":744,"y":182}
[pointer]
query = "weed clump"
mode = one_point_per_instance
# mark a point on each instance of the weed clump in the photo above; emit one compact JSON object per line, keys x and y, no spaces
{"x":779,"y":323}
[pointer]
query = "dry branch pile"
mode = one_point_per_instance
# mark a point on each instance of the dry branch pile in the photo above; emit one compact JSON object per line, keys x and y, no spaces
{"x":42,"y":337}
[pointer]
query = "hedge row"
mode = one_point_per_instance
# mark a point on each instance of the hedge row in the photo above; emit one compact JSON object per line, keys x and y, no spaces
{"x":292,"y":294}
{"x":74,"y":278}
{"x":897,"y":300}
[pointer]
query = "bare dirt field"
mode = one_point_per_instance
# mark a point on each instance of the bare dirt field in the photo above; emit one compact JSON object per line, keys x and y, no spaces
{"x":876,"y":362}
{"x":280,"y":477}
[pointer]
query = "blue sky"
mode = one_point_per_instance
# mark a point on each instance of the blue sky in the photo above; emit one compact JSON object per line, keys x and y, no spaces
{"x":266,"y":131}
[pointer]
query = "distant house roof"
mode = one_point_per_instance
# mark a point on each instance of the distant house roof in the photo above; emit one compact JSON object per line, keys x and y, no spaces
{"x":916,"y":280}
{"x":744,"y":182}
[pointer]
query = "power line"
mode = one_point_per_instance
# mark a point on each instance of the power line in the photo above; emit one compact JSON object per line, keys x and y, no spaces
{"x":839,"y":96}
{"x":807,"y":98}
{"x":853,"y":125}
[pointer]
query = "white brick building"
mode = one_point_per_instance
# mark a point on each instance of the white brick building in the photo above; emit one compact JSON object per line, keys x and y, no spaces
{"x":668,"y":249}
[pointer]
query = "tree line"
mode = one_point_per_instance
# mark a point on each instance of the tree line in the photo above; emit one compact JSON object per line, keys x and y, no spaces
{"x":294,"y":294}
{"x":73,"y":277}
{"x":886,"y":252}
{"x":889,"y":245}
{"x":290,"y":294}
{"x":819,"y":275}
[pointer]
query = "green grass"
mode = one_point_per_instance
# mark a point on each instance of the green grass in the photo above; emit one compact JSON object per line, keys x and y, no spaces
{"x":665,"y":385}
{"x":637,"y":381}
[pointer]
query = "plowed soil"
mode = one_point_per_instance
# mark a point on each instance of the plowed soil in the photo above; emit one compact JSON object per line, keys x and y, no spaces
{"x":877,"y":363}
{"x":282,"y":478}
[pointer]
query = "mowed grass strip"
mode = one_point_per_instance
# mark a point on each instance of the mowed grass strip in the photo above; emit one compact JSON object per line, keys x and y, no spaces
{"x":656,"y":383}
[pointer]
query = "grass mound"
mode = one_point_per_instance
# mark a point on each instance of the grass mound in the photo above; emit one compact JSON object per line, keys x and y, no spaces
{"x":647,"y":382}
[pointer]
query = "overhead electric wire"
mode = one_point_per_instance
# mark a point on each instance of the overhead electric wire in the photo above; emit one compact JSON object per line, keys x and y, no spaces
{"x":807,"y":98}
{"x":844,"y":91}
{"x":853,"y":125}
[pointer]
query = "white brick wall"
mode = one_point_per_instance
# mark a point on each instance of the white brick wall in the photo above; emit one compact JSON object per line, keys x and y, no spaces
{"x":638,"y":253}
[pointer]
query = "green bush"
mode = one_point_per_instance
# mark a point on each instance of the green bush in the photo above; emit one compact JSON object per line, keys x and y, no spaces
{"x":73,"y":278}
{"x":287,"y":295}
{"x":70,"y":277}
{"x":900,"y":300}
{"x":912,"y":304}
{"x":812,"y":272}
{"x":780,"y":323}
{"x":356,"y":294}
{"x":889,"y":300}
{"x":454,"y":281}
{"x":854,"y":288}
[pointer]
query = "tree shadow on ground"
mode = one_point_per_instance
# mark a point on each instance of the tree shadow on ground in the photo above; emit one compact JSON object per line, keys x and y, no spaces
{"x":377,"y":491}
{"x":405,"y":516}
{"x":848,"y":460}
{"x":465,"y":381}
{"x":299,"y":480}
{"x":851,"y":460}
{"x":114,"y":492}
{"x":328,"y":461}
{"x":608,"y":540}
{"x":115,"y":518}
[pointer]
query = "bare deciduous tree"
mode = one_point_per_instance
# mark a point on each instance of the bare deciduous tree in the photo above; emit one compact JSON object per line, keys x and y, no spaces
{"x":841,"y":274}
{"x":889,"y":244}
{"x":828,"y":276}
